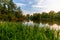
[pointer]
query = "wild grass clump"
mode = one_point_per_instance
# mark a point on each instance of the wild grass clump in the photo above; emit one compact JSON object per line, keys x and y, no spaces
{"x":18,"y":31}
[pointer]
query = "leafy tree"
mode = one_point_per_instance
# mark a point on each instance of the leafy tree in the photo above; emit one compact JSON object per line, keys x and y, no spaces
{"x":51,"y":14}
{"x":44,"y":15}
{"x":11,"y":5}
{"x":9,"y":11}
{"x":57,"y":16}
{"x":36,"y":17}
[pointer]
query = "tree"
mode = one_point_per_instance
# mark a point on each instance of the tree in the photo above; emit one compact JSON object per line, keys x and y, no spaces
{"x":36,"y":17}
{"x":44,"y":15}
{"x":51,"y":14}
{"x":28,"y":17}
{"x":57,"y":16}
{"x":11,"y":5}
{"x":8,"y":10}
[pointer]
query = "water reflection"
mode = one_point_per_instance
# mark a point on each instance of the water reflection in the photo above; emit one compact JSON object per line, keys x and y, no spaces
{"x":55,"y":27}
{"x":51,"y":25}
{"x":30,"y":23}
{"x":42,"y":25}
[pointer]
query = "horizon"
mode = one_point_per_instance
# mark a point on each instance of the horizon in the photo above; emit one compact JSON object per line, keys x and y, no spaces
{"x":38,"y":6}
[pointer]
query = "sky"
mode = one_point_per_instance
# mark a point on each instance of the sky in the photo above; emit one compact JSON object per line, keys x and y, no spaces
{"x":38,"y":6}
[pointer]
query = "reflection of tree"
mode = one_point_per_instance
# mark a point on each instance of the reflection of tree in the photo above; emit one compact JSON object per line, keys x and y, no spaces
{"x":57,"y":22}
{"x":49,"y":22}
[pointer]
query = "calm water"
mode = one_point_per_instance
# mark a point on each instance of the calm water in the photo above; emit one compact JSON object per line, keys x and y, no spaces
{"x":51,"y":25}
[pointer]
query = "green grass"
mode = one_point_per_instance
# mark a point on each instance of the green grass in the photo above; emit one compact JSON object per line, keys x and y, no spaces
{"x":18,"y":31}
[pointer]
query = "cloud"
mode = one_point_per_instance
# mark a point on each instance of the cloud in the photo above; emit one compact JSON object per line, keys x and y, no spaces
{"x":20,"y":4}
{"x":47,"y":5}
{"x":39,"y":1}
{"x":31,"y":6}
{"x":38,"y":6}
{"x":27,"y":12}
{"x":30,"y":2}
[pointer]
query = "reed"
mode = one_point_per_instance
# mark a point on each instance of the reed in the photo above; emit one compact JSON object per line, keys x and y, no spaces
{"x":18,"y":31}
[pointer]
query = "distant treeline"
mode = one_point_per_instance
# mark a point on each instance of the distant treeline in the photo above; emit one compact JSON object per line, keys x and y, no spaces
{"x":10,"y":12}
{"x":51,"y":16}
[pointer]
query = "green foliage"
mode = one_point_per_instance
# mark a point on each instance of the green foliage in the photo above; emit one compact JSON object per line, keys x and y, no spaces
{"x":36,"y":16}
{"x":17,"y":31}
{"x":9,"y":11}
{"x":51,"y":16}
{"x":44,"y":15}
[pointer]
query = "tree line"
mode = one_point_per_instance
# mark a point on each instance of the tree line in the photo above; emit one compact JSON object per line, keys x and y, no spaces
{"x":10,"y":12}
{"x":44,"y":16}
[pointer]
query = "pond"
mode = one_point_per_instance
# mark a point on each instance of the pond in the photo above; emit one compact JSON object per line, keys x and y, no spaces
{"x":51,"y":25}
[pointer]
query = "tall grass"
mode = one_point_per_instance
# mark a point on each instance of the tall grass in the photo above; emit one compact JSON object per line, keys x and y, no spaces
{"x":18,"y":31}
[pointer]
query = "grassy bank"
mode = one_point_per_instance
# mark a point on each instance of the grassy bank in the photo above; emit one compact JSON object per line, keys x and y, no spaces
{"x":17,"y":31}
